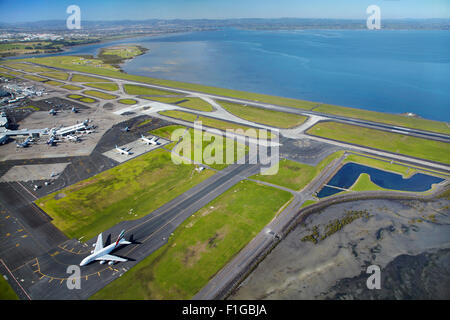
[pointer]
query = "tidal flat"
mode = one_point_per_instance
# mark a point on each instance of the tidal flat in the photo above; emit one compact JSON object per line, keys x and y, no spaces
{"x":326,"y":256}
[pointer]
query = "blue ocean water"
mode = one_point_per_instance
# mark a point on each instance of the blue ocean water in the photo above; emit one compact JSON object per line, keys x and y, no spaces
{"x":393,"y":71}
{"x":350,"y":172}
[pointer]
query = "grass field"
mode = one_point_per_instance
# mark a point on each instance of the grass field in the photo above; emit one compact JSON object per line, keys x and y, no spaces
{"x":6,"y":292}
{"x":35,"y":78}
{"x":74,"y":96}
{"x":294,"y":175}
{"x":28,"y":107}
{"x":263,"y":116}
{"x":166,"y":132}
{"x":72,"y":87}
{"x":142,"y":184}
{"x":170,"y":100}
{"x":200,"y":246}
{"x":5,"y":75}
{"x":140,"y":90}
{"x":397,"y":120}
{"x":363,"y":183}
{"x":83,"y":78}
{"x":54,"y":83}
{"x":195,"y":103}
{"x":191,"y":103}
{"x":56,"y":75}
{"x":87,"y":100}
{"x":210,"y":150}
{"x":100,"y":94}
{"x":16,"y":73}
{"x":210,"y":122}
{"x":124,"y":52}
{"x":388,"y":141}
{"x":103,"y":86}
{"x":188,"y":144}
{"x":27,"y":67}
{"x":127,"y":101}
{"x":107,"y":70}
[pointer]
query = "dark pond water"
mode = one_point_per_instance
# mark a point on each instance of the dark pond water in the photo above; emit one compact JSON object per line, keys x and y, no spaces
{"x":350,"y":172}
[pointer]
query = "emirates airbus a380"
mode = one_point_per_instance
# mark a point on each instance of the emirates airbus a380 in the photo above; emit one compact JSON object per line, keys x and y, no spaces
{"x":101,"y":253}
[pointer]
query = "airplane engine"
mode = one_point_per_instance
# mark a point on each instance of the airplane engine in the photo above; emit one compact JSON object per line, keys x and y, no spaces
{"x":111,"y":263}
{"x":102,"y":262}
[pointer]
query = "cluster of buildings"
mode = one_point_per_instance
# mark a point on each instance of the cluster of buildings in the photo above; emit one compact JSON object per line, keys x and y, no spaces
{"x":9,"y":37}
{"x":13,"y":93}
{"x":31,"y":36}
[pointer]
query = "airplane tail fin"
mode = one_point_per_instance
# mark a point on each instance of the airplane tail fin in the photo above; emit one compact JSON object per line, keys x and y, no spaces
{"x":120,"y":237}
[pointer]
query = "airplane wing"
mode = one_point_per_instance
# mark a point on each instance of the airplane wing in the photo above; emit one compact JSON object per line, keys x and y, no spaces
{"x":99,"y":244}
{"x":110,"y":257}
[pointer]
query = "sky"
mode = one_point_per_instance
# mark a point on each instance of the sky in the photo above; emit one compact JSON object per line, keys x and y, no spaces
{"x":36,"y":10}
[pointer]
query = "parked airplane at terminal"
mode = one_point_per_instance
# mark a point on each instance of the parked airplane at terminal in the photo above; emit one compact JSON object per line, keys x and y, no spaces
{"x":24,"y":144}
{"x":153,"y":141}
{"x":101,"y":253}
{"x":123,"y":150}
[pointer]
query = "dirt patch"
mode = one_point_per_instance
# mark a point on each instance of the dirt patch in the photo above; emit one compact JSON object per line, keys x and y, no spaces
{"x":194,"y":253}
{"x":59,"y":196}
{"x":82,"y":184}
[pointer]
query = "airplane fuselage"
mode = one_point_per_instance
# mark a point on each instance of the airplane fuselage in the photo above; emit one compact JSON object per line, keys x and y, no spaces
{"x":102,"y":252}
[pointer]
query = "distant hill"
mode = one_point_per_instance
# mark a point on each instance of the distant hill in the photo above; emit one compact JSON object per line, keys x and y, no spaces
{"x":247,"y":23}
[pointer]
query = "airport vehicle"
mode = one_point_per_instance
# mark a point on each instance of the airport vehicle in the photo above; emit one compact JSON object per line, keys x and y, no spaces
{"x":52,"y":112}
{"x":72,"y":138}
{"x":153,"y":141}
{"x":101,"y":253}
{"x":126,"y":129}
{"x":74,"y":110}
{"x":24,"y":144}
{"x":123,"y":151}
{"x":52,"y":141}
{"x":3,"y":138}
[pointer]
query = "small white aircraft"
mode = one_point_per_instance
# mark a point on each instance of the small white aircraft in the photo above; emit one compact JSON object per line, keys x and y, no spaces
{"x":101,"y":253}
{"x":153,"y":141}
{"x":123,"y":150}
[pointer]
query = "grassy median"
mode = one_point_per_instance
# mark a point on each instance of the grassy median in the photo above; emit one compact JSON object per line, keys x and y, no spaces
{"x":383,"y":140}
{"x":295,"y":175}
{"x":264,"y":116}
{"x":212,"y":122}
